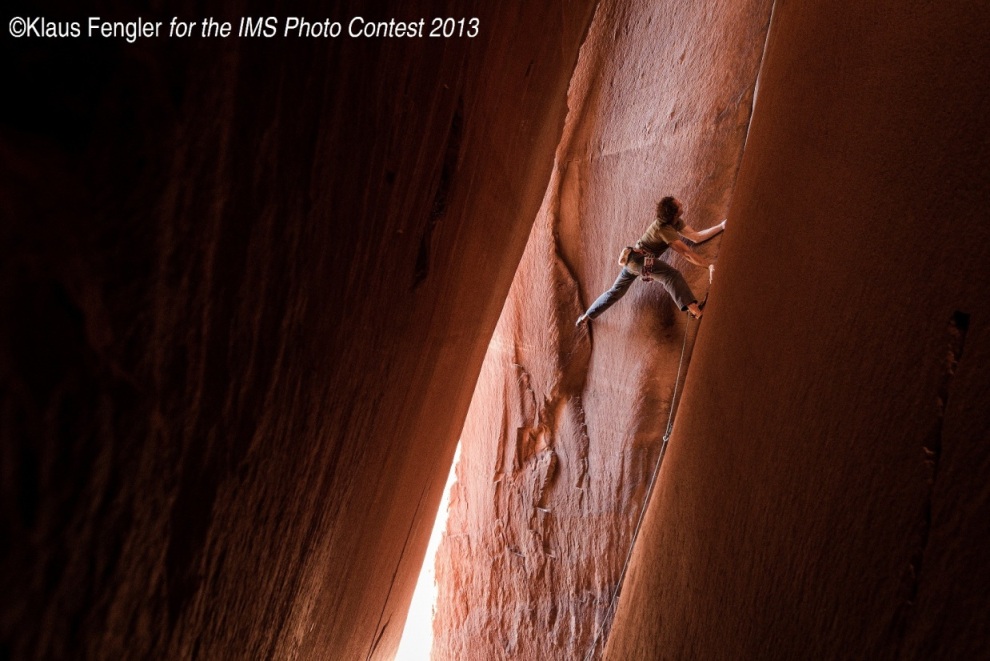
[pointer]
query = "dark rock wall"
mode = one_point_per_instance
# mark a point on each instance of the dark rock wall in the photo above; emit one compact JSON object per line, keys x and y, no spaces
{"x":825,"y":492}
{"x":247,"y":286}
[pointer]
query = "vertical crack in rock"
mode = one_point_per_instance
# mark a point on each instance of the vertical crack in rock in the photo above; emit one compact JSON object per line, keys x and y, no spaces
{"x":931,"y":456}
{"x":756,"y":81}
{"x":381,"y":633}
{"x":441,"y":198}
{"x":398,"y":563}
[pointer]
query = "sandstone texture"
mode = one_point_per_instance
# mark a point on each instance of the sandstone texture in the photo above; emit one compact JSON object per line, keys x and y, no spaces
{"x":825,"y":493}
{"x":247,"y":286}
{"x":566,"y":425}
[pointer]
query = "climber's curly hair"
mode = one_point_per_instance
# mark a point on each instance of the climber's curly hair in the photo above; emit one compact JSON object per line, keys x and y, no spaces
{"x":667,"y":209}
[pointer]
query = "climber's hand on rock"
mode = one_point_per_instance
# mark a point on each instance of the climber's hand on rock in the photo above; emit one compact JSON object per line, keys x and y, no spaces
{"x":711,"y":273}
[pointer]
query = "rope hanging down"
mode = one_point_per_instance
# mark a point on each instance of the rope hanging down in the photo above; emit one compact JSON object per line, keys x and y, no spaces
{"x":609,"y":612}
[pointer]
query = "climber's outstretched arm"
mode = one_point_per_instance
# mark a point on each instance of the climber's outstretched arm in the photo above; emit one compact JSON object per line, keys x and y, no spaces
{"x":688,"y":254}
{"x":700,"y":236}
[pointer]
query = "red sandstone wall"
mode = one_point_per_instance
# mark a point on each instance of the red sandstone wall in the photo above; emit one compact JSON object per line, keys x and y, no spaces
{"x":565,"y":426}
{"x":825,"y":493}
{"x":243,"y":315}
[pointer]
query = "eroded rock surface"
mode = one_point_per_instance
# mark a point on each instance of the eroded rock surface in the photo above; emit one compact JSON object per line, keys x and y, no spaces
{"x":566,"y":425}
{"x":825,"y":492}
{"x":242,"y":317}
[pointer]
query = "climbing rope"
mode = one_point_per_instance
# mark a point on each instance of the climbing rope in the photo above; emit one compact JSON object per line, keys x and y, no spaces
{"x":609,"y":612}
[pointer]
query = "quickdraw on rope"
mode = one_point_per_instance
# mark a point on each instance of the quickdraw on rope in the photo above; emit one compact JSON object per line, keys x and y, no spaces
{"x":609,"y":612}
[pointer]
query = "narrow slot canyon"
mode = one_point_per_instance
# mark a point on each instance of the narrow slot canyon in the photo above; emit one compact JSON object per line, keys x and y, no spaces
{"x":256,"y":290}
{"x":566,"y":425}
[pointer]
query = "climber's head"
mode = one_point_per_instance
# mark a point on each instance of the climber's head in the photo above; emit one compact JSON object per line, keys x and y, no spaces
{"x":669,"y":209}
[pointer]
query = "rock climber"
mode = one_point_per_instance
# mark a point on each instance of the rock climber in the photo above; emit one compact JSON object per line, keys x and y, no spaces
{"x":644,"y":260}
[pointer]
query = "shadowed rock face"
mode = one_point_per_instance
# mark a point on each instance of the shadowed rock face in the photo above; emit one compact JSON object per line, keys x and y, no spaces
{"x":566,"y":426}
{"x":825,"y":492}
{"x":243,"y":317}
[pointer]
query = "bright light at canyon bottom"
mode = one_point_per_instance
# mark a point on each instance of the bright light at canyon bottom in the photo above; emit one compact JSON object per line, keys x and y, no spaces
{"x":417,"y":637}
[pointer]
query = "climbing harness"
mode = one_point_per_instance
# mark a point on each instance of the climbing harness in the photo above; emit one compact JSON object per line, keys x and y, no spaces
{"x":648,"y":259}
{"x":609,"y":612}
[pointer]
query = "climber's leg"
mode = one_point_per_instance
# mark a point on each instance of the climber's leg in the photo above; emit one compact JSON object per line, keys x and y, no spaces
{"x":676,"y":286}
